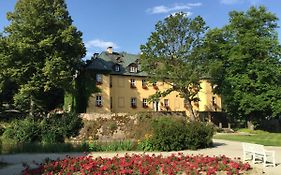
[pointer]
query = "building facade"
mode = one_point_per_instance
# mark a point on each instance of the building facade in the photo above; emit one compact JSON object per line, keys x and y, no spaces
{"x":125,"y":89}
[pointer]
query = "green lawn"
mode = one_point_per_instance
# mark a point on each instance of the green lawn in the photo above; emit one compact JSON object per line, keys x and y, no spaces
{"x":264,"y":138}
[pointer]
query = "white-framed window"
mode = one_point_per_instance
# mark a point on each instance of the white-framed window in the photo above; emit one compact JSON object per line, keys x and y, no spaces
{"x":133,"y":69}
{"x":144,"y":103}
{"x":117,"y":68}
{"x":99,"y":78}
{"x":166,"y":103}
{"x":133,"y":83}
{"x":99,"y":101}
{"x":133,"y":102}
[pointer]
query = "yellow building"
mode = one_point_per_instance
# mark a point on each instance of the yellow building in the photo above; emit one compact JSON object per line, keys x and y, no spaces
{"x":124,"y":88}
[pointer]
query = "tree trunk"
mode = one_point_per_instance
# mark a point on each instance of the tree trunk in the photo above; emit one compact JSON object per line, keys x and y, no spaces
{"x":250,"y":123}
{"x":190,"y":109}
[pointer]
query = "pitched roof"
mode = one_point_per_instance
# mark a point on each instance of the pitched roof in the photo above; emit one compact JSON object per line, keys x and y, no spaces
{"x":106,"y":61}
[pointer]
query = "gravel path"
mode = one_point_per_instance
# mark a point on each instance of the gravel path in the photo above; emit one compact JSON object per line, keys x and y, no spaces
{"x":221,"y":147}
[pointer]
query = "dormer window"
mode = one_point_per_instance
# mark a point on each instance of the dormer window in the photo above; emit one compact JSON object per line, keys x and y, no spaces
{"x":117,"y":68}
{"x":133,"y":68}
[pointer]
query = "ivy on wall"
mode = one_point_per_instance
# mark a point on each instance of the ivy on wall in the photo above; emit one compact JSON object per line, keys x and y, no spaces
{"x":84,"y":86}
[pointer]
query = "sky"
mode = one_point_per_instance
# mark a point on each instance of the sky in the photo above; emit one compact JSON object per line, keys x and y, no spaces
{"x":126,"y":24}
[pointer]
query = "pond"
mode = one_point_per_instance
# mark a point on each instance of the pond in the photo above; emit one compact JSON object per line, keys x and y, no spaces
{"x":8,"y":148}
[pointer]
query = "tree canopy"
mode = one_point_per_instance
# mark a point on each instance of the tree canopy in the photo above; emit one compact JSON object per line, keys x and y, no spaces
{"x":42,"y":52}
{"x":172,"y":54}
{"x":245,"y":60}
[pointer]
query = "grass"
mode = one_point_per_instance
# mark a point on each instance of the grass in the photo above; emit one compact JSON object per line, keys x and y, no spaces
{"x":258,"y":136}
{"x":42,"y":148}
{"x":126,"y":145}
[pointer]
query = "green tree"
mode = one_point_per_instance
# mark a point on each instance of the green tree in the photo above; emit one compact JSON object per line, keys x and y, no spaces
{"x":43,"y":52}
{"x":7,"y":86}
{"x":172,"y":54}
{"x":245,"y":63}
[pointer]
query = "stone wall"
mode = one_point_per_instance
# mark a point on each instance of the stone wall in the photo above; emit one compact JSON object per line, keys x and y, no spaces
{"x":117,"y":126}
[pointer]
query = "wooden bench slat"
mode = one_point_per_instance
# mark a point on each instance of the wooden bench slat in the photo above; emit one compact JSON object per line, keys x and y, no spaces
{"x":257,"y":151}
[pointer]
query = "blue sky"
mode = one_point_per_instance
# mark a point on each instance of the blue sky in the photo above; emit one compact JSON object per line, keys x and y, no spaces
{"x":126,"y":24}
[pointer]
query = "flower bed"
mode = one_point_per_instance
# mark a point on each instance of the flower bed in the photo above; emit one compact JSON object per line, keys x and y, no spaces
{"x":142,"y":164}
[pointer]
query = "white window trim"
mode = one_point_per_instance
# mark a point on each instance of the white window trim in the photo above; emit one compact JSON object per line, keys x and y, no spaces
{"x":144,"y":102}
{"x":98,"y":100}
{"x":133,"y":83}
{"x":117,"y":68}
{"x":133,"y":69}
{"x":133,"y":102}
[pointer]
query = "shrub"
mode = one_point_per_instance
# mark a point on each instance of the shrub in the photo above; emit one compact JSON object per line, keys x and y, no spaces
{"x":199,"y":135}
{"x":48,"y":130}
{"x":168,"y":134}
{"x":172,"y":134}
{"x":26,"y":130}
{"x":59,"y":126}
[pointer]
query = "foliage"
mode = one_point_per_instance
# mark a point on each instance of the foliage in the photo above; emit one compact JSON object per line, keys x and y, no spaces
{"x":59,"y":126}
{"x":86,"y":86}
{"x":171,"y":134}
{"x":245,"y":63}
{"x":23,"y":130}
{"x":53,"y":129}
{"x":199,"y":135}
{"x":142,"y":164}
{"x":43,"y":52}
{"x":172,"y":54}
{"x":168,"y":135}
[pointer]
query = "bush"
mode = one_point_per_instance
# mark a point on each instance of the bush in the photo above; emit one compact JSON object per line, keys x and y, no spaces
{"x":48,"y":130}
{"x":26,"y":130}
{"x":59,"y":126}
{"x":199,"y":135}
{"x":170,"y":134}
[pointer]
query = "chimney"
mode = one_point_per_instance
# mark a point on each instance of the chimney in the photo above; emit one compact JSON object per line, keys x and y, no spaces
{"x":109,"y":49}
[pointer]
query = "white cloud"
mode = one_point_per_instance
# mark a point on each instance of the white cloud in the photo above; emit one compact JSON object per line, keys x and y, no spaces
{"x":172,"y":8}
{"x":100,"y":44}
{"x":231,"y":2}
{"x":197,"y":4}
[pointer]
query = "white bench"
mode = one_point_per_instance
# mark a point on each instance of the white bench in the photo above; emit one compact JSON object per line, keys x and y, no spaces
{"x":258,"y":153}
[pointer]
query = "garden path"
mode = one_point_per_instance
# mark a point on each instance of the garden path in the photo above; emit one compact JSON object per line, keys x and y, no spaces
{"x":221,"y":147}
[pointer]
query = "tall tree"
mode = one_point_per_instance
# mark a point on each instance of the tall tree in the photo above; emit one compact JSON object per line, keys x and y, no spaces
{"x":44,"y":50}
{"x":245,"y":57}
{"x":172,"y":54}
